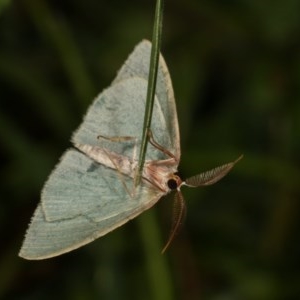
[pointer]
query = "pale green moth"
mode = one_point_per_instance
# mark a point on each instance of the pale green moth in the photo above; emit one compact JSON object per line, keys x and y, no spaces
{"x":88,"y":193}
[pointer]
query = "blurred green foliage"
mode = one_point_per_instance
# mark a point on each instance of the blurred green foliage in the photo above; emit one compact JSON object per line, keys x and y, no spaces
{"x":235,"y":67}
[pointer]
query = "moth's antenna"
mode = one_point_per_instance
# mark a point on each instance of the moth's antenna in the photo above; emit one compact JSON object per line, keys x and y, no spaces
{"x":179,"y":213}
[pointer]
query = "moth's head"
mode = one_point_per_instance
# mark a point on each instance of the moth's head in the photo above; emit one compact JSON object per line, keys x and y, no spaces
{"x":174,"y":182}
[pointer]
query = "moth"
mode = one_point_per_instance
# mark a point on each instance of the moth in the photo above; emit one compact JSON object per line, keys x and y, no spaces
{"x":88,"y":194}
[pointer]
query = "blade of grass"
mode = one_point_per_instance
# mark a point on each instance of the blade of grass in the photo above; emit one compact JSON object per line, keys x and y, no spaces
{"x":60,"y":36}
{"x":158,"y":272}
{"x":157,"y":267}
{"x":3,"y":5}
{"x":43,"y":97}
{"x":23,"y":155}
{"x":154,"y":60}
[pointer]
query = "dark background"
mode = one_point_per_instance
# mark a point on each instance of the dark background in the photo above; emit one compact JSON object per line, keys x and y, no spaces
{"x":235,"y":67}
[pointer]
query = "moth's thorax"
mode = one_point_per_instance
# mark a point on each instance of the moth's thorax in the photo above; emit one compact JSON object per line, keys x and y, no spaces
{"x":156,"y":172}
{"x":159,"y":172}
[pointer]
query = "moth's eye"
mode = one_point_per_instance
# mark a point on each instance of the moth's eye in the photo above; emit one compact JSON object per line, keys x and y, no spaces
{"x":172,"y":184}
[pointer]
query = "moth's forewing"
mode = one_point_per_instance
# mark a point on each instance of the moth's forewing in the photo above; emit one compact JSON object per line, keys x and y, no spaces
{"x":137,"y":65}
{"x":81,"y":201}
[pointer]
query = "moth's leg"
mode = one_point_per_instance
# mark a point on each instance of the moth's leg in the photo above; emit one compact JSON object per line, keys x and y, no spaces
{"x":158,"y":146}
{"x":120,"y":175}
{"x":116,"y":138}
{"x":123,"y":139}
